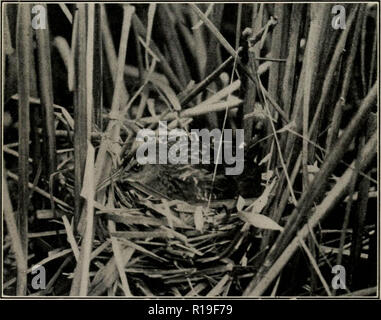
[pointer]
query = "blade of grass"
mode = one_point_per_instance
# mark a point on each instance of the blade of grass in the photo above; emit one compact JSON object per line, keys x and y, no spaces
{"x":151,"y":15}
{"x":70,"y":237}
{"x":214,"y":30}
{"x":163,"y":62}
{"x":315,"y":266}
{"x":204,"y":83}
{"x":104,"y":161}
{"x":110,"y":51}
{"x":66,"y":12}
{"x":196,"y":111}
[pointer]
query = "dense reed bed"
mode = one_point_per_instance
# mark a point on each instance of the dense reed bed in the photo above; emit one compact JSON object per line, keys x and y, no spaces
{"x":80,"y":85}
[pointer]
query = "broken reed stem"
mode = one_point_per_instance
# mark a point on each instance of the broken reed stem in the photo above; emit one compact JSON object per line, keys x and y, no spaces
{"x":195,"y":111}
{"x":205,"y":83}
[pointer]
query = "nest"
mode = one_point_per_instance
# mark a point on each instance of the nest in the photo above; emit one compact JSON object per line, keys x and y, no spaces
{"x":175,"y":246}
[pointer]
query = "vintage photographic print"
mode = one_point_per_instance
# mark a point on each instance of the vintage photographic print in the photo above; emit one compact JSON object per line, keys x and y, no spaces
{"x":190,"y":150}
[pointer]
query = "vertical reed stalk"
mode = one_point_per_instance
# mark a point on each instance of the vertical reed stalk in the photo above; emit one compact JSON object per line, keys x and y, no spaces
{"x":21,"y":261}
{"x":80,"y":111}
{"x":46,"y":92}
{"x":98,"y":70}
{"x":24,"y":51}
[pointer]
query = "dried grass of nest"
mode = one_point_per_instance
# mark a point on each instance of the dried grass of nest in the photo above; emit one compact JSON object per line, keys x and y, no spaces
{"x":180,"y":248}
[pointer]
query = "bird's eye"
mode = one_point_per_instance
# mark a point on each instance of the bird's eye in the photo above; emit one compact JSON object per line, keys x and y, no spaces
{"x":137,"y":167}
